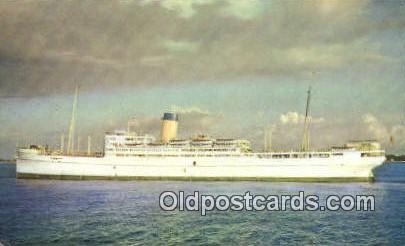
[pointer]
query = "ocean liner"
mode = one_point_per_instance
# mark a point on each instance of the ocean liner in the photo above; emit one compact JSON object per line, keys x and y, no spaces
{"x":128,"y":155}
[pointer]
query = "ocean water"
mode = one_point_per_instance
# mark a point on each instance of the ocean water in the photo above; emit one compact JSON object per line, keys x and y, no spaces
{"x":53,"y":212}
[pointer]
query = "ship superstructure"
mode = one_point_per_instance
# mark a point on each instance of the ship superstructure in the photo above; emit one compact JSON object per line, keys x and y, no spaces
{"x":120,"y":144}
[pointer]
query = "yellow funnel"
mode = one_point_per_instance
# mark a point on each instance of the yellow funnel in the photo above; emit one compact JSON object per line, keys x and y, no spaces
{"x":168,"y":130}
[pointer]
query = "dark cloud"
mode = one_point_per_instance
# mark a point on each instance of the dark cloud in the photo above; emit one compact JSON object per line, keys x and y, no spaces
{"x":48,"y":46}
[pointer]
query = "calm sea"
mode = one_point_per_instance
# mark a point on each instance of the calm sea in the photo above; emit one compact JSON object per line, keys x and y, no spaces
{"x":47,"y":212}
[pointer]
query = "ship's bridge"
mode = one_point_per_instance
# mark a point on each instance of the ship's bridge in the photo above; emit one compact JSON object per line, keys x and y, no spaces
{"x":364,"y":145}
{"x":126,"y":139}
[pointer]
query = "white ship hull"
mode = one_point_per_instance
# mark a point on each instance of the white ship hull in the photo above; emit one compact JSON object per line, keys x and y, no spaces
{"x":339,"y":168}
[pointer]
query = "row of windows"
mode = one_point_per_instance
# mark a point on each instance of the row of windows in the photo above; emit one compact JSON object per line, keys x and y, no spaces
{"x":278,"y":156}
{"x":174,"y":155}
{"x":169,"y":150}
{"x":275,"y":156}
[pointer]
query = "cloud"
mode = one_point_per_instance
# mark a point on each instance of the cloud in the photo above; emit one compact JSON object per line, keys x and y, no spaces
{"x":334,"y":55}
{"x":296,"y":118}
{"x":397,"y":138}
{"x":291,"y":117}
{"x":245,"y":9}
{"x":47,"y":46}
{"x":392,"y":136}
{"x":155,"y":61}
{"x":183,"y":8}
{"x":188,"y":109}
{"x":180,"y":46}
{"x":377,"y":129}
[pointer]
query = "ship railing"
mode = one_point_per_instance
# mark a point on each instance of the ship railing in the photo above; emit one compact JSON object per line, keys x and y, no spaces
{"x":314,"y":154}
{"x":372,"y":153}
{"x":76,"y":154}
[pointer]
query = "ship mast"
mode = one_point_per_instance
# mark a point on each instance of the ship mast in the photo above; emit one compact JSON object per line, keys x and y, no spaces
{"x":268,"y":132}
{"x":265,"y":139}
{"x":305,"y":138}
{"x":62,"y":143}
{"x":70,"y":147}
{"x":88,"y":145}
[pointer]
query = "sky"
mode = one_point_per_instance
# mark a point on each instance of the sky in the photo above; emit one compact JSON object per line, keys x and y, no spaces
{"x":229,"y":68}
